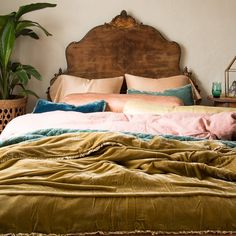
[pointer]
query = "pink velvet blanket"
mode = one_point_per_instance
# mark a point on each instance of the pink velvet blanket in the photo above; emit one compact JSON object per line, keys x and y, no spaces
{"x":213,"y":126}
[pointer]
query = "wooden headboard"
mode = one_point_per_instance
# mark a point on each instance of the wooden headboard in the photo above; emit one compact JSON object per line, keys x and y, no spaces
{"x":123,"y":46}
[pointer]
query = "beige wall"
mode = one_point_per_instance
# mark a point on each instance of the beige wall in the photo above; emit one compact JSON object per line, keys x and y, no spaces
{"x":205,"y":29}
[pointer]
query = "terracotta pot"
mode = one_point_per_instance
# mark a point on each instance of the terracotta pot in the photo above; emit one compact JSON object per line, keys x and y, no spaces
{"x":10,"y":109}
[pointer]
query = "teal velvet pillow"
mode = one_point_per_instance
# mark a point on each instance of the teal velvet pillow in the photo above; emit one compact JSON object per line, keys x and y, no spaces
{"x":45,"y":106}
{"x":184,"y":93}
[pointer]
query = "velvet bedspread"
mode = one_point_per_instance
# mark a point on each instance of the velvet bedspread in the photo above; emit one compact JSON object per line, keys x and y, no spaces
{"x":113,"y":182}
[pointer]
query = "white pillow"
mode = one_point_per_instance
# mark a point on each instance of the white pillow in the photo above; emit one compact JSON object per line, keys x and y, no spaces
{"x":67,"y":84}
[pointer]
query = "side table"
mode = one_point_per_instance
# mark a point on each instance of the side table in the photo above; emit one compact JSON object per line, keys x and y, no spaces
{"x":223,"y":101}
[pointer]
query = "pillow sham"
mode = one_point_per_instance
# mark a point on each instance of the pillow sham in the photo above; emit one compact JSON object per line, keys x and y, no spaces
{"x":67,"y":84}
{"x":116,"y":102}
{"x":184,"y":93}
{"x":143,"y":107}
{"x":46,"y":106}
{"x":155,"y":85}
{"x":160,"y":84}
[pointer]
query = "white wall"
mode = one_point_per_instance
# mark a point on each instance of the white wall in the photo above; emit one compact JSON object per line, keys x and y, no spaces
{"x":205,"y":30}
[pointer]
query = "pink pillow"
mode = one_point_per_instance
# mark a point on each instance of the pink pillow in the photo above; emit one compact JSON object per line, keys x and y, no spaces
{"x":159,"y":84}
{"x":155,"y":85}
{"x":116,"y":102}
{"x":67,"y":84}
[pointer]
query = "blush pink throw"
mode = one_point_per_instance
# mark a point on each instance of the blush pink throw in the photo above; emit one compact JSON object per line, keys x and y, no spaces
{"x":212,"y":126}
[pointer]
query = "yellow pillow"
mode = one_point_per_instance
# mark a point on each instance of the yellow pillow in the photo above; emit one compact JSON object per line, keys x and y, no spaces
{"x":134,"y":107}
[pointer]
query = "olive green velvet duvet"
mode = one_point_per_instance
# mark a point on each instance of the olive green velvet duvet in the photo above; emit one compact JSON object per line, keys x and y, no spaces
{"x":92,"y":182}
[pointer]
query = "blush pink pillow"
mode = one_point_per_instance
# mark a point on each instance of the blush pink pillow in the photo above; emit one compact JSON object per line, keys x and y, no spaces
{"x":160,"y":84}
{"x":155,"y":85}
{"x":116,"y":102}
{"x":67,"y":84}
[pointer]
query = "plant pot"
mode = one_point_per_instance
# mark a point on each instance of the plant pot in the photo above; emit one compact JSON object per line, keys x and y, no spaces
{"x":10,"y":109}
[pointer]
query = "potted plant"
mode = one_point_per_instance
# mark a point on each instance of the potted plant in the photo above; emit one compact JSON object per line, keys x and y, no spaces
{"x":15,"y":74}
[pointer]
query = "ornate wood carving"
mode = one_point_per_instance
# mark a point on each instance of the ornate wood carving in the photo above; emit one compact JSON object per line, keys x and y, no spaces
{"x":123,"y":21}
{"x":123,"y":46}
{"x":52,"y":81}
{"x":189,"y":74}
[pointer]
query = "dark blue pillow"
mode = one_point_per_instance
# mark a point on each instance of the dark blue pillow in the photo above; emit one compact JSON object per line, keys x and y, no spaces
{"x":45,"y":106}
{"x":185,"y":93}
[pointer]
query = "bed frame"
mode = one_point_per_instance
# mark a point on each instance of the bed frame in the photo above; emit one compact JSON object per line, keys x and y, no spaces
{"x":126,"y":46}
{"x":123,"y":46}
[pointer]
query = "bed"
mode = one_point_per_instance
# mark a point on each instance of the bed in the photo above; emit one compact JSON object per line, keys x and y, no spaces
{"x":101,"y":162}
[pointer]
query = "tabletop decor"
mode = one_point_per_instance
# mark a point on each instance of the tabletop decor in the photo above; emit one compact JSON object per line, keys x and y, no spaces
{"x":216,"y":89}
{"x":230,"y":83}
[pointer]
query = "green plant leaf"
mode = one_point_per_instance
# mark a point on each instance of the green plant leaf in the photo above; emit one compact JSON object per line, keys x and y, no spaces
{"x":16,"y":74}
{"x":3,"y":21}
{"x":22,"y":76}
{"x":14,"y":82}
{"x":7,"y":41}
{"x":30,"y":92}
{"x":32,"y":7}
{"x":31,"y":71}
{"x":27,"y":32}
{"x":21,"y":25}
{"x":26,"y":92}
{"x":14,"y":66}
{"x":22,"y":73}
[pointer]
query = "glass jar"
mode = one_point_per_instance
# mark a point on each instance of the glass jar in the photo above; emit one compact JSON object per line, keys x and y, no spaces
{"x":216,"y":89}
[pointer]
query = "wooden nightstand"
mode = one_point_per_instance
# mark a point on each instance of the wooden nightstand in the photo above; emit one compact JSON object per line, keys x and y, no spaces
{"x":223,"y":101}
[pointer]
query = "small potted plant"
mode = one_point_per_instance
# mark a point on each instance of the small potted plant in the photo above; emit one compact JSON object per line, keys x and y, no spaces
{"x":15,"y":74}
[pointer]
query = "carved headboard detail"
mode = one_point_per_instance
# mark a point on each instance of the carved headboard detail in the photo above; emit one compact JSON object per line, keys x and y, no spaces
{"x":123,"y":46}
{"x":124,"y":21}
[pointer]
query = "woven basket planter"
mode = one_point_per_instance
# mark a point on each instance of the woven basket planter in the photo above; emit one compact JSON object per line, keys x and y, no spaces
{"x":10,"y":109}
